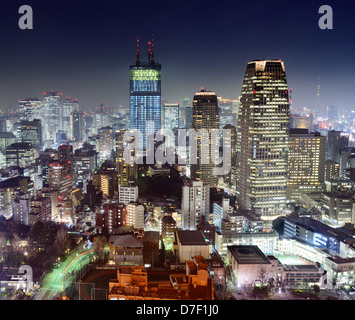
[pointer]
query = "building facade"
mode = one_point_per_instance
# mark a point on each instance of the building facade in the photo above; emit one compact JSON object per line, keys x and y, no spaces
{"x":262,"y":139}
{"x":145,"y":96}
{"x":306,"y":163}
{"x":195,"y":204}
{"x":205,"y":116}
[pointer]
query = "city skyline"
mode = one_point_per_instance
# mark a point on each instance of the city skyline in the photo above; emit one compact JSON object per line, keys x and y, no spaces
{"x":200,"y":150}
{"x":89,"y":61}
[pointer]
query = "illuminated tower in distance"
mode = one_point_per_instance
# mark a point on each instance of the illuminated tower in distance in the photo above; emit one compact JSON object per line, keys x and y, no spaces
{"x":145,"y":94}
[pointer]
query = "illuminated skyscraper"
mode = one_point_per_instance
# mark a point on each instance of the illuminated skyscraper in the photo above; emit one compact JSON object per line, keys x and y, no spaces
{"x":262,"y":139}
{"x":101,"y":117}
{"x":185,"y":114}
{"x":106,"y":142}
{"x":145,"y":95}
{"x":227,"y":113}
{"x":60,"y":177}
{"x":171,"y":115}
{"x":76,"y":125}
{"x":306,"y":163}
{"x":69,"y":105}
{"x":205,"y":115}
{"x":105,"y":179}
{"x":232,"y":144}
{"x":333,"y":113}
{"x":170,"y":121}
{"x":31,"y":108}
{"x":337,"y":141}
{"x":31,"y":132}
{"x":302,"y":122}
{"x":53,"y":114}
{"x":127,"y":174}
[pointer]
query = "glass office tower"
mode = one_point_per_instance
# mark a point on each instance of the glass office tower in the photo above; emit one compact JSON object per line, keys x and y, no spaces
{"x":262,"y":140}
{"x":306,"y":163}
{"x":171,"y":115}
{"x":145,"y":96}
{"x":205,"y":115}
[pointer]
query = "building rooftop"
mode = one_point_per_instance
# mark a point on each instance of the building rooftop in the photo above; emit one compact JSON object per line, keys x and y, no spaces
{"x":342,"y":195}
{"x":250,"y":215}
{"x":12,"y":182}
{"x":20,"y":145}
{"x":151,"y":236}
{"x":298,"y":132}
{"x":126,"y":240}
{"x":191,"y":237}
{"x":300,"y":267}
{"x":7,"y":135}
{"x":317,"y":226}
{"x":248,"y":255}
{"x":169,"y":219}
{"x":340,"y":260}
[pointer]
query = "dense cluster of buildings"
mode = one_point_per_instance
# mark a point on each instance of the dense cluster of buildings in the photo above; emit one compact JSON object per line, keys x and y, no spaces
{"x":288,"y":189}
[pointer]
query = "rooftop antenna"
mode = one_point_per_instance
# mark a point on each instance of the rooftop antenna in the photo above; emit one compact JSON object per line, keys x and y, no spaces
{"x":137,"y":53}
{"x":152,"y":48}
{"x":149,"y":52}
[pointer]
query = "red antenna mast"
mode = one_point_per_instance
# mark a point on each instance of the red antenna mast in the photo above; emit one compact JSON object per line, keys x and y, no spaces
{"x":152,"y":48}
{"x":149,"y":52}
{"x":137,"y":53}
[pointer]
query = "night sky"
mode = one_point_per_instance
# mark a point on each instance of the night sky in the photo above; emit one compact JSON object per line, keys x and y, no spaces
{"x":84,"y":48}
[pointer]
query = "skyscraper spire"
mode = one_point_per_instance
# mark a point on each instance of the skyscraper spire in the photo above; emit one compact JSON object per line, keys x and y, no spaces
{"x":149,"y":52}
{"x":152,"y":55}
{"x":137,"y":53}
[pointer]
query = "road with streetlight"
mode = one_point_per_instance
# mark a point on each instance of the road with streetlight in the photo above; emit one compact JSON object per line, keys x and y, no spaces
{"x":55,"y":281}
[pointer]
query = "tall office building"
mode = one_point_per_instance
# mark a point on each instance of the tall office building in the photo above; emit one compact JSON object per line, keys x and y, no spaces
{"x":105,"y":179}
{"x":65,"y":152}
{"x":53,"y":114}
{"x":306,"y":163}
{"x":302,"y":122}
{"x":101,"y":118}
{"x":30,"y":109}
{"x":85,"y":162}
{"x":227,"y":114}
{"x":333,"y":113}
{"x":60,"y":177}
{"x":205,"y":115}
{"x":69,"y":105}
{"x":262,"y":139}
{"x":106,"y":142}
{"x":6,"y":139}
{"x":195,"y":204}
{"x":171,"y":115}
{"x":232,"y":144}
{"x":170,"y":121}
{"x":126,"y":173}
{"x":21,"y":155}
{"x":337,"y":141}
{"x":31,"y":132}
{"x":145,"y":95}
{"x":185,"y":114}
{"x":76,"y":125}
